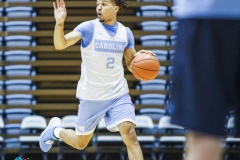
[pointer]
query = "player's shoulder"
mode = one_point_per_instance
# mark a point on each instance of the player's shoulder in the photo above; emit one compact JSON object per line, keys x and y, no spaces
{"x":86,"y":25}
{"x":89,"y":22}
{"x":128,"y":30}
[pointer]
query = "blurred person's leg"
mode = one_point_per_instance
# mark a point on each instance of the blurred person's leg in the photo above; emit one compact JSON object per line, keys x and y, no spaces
{"x":203,"y":147}
{"x":205,"y":82}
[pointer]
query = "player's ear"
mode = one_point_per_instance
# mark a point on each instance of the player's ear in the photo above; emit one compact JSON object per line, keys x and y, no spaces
{"x":116,"y":9}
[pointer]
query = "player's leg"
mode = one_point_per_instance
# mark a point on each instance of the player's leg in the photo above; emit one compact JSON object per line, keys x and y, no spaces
{"x":88,"y":117}
{"x":201,"y":146}
{"x":121,"y":117}
{"x":128,"y":133}
{"x":54,"y":131}
{"x":76,"y":141}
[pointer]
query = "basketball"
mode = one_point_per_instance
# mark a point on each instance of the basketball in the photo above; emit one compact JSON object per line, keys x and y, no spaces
{"x":145,"y":67}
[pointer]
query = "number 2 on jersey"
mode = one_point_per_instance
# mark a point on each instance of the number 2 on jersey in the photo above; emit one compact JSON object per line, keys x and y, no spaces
{"x":110,"y":62}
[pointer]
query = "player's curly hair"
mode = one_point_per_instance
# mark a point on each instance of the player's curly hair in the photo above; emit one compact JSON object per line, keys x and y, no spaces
{"x":122,"y":4}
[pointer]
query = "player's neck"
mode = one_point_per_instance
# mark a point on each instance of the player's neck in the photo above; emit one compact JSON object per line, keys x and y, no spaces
{"x":110,"y":22}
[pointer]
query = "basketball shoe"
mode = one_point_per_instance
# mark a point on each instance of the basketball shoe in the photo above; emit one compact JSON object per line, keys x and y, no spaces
{"x":47,"y":137}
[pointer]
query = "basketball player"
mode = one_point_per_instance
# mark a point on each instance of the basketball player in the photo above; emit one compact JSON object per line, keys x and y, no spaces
{"x":206,"y":73}
{"x":102,"y":89}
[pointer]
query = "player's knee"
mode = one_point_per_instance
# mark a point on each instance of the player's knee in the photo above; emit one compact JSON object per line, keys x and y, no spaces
{"x":80,"y":146}
{"x":130,"y":138}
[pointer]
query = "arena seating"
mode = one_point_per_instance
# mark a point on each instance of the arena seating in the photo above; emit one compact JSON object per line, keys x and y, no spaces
{"x":65,"y":63}
{"x":55,"y":73}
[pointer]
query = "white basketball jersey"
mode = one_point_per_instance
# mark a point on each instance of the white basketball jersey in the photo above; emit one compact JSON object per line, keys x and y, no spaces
{"x":102,"y":73}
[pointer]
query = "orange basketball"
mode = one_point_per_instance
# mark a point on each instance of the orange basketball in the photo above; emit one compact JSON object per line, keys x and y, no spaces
{"x":145,"y":67}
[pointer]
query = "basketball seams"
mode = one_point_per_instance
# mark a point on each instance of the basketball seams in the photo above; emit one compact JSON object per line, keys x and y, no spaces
{"x":145,"y":67}
{"x":141,"y":76}
{"x":146,"y":60}
{"x":134,"y":64}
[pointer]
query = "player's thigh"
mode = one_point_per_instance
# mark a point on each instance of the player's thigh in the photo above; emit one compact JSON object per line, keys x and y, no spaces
{"x":121,"y":110}
{"x":89,"y":115}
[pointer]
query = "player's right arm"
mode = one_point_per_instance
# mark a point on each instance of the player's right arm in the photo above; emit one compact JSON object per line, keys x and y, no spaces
{"x":62,"y":41}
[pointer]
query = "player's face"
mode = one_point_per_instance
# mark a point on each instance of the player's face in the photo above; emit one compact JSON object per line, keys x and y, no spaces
{"x":106,"y":10}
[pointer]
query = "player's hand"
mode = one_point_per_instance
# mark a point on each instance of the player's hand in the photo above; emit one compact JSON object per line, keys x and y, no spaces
{"x":144,"y":51}
{"x":60,"y":11}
